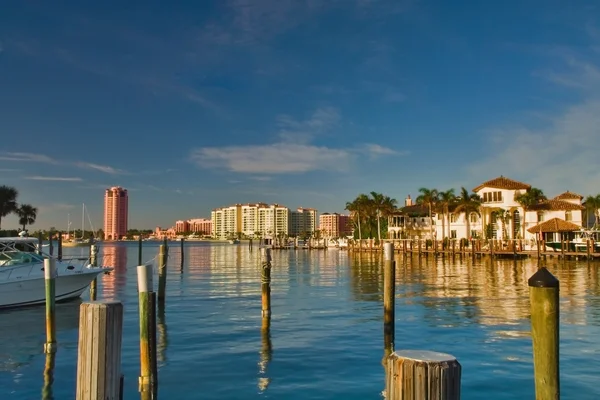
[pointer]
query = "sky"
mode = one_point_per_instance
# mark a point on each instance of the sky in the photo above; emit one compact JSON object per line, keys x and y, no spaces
{"x":197,"y":105}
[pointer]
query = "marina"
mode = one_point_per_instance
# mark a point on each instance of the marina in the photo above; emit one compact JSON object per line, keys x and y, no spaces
{"x":323,"y":303}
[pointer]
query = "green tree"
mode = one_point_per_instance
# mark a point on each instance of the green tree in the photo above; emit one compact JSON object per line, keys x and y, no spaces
{"x":27,"y":214}
{"x":528,"y":199}
{"x":592,"y":206}
{"x":467,"y":203}
{"x":428,"y":198}
{"x":8,"y":201}
{"x":359,"y":209}
{"x":383,"y":206}
{"x":445,"y":200}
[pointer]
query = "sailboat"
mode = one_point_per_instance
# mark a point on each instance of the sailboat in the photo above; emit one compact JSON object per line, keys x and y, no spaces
{"x":79,"y":242}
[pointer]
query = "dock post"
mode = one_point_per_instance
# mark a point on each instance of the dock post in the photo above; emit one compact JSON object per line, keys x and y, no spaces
{"x":50,"y":244}
{"x":140,"y":261}
{"x":543,"y":295}
{"x":389,"y":291}
{"x":422,"y":374}
{"x":49,"y":278}
{"x":94,"y":262}
{"x":147,"y":310}
{"x":162,"y":273}
{"x":60,"y":249}
{"x":48,"y":376}
{"x":182,"y":243}
{"x":99,"y":350}
{"x":250,"y":245}
{"x":266,"y":281}
{"x":40,"y":243}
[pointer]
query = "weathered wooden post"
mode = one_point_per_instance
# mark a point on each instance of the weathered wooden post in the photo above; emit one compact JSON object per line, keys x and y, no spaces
{"x":59,"y":253}
{"x":40,"y":243}
{"x":162,"y":273}
{"x":48,"y":376}
{"x":49,"y":278}
{"x":50,"y":244}
{"x":543,"y":295}
{"x":94,"y":262}
{"x":588,"y":248}
{"x":140,"y":252}
{"x":147,"y":310}
{"x":422,"y":375}
{"x":99,"y":351}
{"x":389,"y":291}
{"x":182,"y":242}
{"x":266,"y":281}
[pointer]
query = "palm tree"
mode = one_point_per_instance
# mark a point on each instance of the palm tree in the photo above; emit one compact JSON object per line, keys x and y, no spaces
{"x":383,"y":206}
{"x":8,"y":201}
{"x":358,"y":210}
{"x":528,"y":199}
{"x":467,"y":203}
{"x":592,"y":205}
{"x":445,"y":200}
{"x":27,"y":214}
{"x":429,"y":198}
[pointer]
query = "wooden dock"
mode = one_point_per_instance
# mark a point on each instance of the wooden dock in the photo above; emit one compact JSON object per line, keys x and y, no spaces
{"x":478,"y":248}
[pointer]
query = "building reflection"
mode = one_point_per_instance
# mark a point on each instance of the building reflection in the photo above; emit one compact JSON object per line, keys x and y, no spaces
{"x":113,"y":284}
{"x":462,"y":291}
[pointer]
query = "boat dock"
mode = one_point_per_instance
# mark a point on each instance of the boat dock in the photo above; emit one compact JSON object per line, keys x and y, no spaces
{"x":480,"y":248}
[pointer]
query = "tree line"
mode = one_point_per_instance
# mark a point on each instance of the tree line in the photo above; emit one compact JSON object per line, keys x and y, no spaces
{"x":8,"y":205}
{"x":367,"y":210}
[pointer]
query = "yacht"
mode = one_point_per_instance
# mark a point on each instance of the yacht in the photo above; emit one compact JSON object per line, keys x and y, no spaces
{"x":22,"y":274}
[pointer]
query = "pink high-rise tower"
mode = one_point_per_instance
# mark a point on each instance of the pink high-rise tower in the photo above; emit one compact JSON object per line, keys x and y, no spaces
{"x":116,"y":203}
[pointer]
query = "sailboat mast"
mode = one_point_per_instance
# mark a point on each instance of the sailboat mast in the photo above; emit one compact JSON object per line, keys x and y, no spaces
{"x":82,"y":220}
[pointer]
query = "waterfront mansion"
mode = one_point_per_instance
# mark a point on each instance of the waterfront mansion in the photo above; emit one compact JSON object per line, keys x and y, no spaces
{"x":499,"y":216}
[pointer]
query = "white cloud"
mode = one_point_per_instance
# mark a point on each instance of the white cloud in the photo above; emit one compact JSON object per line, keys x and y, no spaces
{"x":26,"y":157}
{"x":53,"y":178}
{"x":563,"y":154}
{"x":277,"y":158}
{"x":101,"y":168}
{"x":292,"y":130}
{"x":376,"y":150}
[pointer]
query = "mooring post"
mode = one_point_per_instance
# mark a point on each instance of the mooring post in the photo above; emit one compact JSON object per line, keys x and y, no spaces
{"x":99,"y":351}
{"x":40,"y":243}
{"x":147,"y":311}
{"x":422,"y":374}
{"x":49,"y":278}
{"x":266,"y":281}
{"x":162,"y":273}
{"x":250,"y":245}
{"x":543,"y":295}
{"x":94,"y":262}
{"x":182,"y":251}
{"x":389,"y":291}
{"x":59,"y":253}
{"x":50,"y":244}
{"x":140,"y":251}
{"x":48,"y":376}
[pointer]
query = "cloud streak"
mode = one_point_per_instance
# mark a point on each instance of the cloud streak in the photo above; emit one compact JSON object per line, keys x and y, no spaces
{"x":44,"y":159}
{"x":53,"y":178}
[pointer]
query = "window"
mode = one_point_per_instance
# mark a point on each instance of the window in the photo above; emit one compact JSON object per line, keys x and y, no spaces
{"x":568,"y":216}
{"x":474,"y":218}
{"x":453,"y":218}
{"x":453,"y":234}
{"x":540,"y":216}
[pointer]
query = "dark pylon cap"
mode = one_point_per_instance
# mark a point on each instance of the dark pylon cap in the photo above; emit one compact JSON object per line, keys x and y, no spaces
{"x":543,"y":279}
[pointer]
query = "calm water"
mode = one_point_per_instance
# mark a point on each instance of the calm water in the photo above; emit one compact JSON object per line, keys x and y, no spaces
{"x":326,"y":338}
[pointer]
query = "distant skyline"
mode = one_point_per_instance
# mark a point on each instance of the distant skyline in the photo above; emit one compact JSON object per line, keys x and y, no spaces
{"x":305,"y":103}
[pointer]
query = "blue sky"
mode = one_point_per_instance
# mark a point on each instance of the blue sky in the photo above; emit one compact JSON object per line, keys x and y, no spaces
{"x":301,"y":102}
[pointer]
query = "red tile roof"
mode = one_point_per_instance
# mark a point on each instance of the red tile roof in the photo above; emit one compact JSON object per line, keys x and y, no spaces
{"x":554,"y":225}
{"x":503,"y":183}
{"x":568,"y":196}
{"x":556,"y":205}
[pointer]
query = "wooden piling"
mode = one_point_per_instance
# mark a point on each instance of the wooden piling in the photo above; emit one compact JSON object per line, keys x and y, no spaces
{"x":422,"y":375}
{"x":99,"y":351}
{"x":59,"y":253}
{"x":389,"y":290}
{"x":50,"y":244}
{"x":250,"y":245}
{"x":182,"y":242}
{"x":266,"y":282}
{"x":40,"y":243}
{"x":162,"y":273}
{"x":140,"y":251}
{"x":147,"y":330}
{"x":543,"y":295}
{"x":48,"y":376}
{"x":49,"y":278}
{"x":94,"y":262}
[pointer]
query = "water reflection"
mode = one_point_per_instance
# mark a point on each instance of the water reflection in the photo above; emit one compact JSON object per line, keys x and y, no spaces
{"x":163,"y":338}
{"x":21,"y":332}
{"x":266,"y":354}
{"x":114,"y":255}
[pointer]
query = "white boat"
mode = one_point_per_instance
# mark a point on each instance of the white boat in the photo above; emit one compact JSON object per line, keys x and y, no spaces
{"x":234,"y":241}
{"x":78,"y":242}
{"x":22,"y":274}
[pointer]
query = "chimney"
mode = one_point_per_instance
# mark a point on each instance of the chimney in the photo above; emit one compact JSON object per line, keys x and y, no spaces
{"x":408,"y":201}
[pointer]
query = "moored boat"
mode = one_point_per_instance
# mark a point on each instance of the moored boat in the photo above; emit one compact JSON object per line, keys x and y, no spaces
{"x":22,"y":280}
